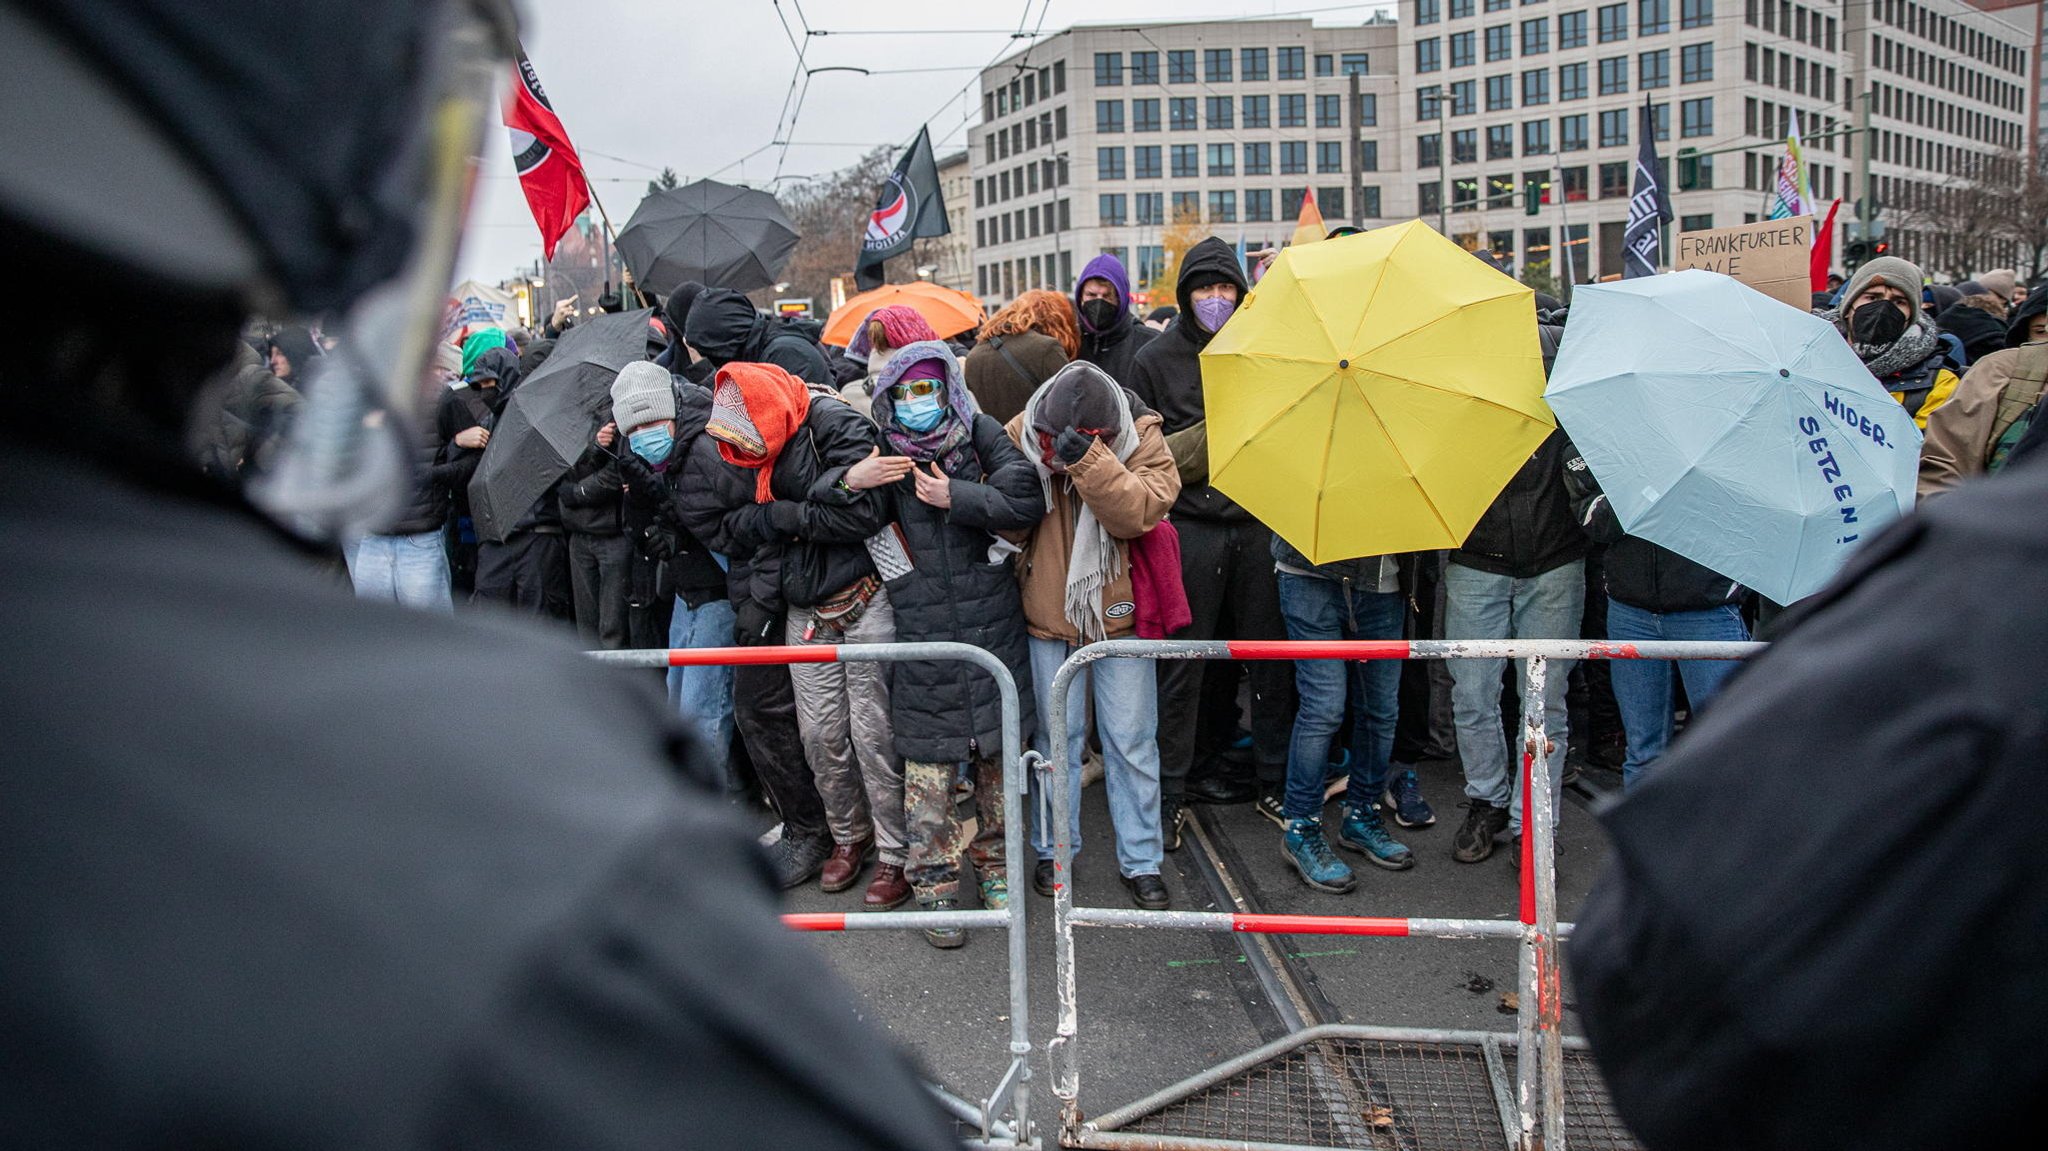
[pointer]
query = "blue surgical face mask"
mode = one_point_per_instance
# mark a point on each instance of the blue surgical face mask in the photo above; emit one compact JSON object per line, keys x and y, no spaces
{"x":652,"y":444}
{"x":920,"y":413}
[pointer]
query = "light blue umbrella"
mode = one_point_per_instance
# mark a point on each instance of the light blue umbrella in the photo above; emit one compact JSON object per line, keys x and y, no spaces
{"x":1739,"y":432}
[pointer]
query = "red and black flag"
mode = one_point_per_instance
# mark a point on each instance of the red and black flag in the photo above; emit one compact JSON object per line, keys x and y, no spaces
{"x":550,"y":172}
{"x":908,"y":206}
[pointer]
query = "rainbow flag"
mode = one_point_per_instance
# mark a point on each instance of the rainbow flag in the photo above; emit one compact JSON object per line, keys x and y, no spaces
{"x":1794,"y":197}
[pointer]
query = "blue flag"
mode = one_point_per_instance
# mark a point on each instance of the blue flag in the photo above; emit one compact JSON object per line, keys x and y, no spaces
{"x":1649,"y":209}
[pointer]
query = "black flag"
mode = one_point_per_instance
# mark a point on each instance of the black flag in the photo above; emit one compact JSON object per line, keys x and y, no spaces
{"x":907,"y":207}
{"x":1649,"y":209}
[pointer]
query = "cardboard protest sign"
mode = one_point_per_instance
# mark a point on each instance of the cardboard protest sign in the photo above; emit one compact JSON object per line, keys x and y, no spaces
{"x":1772,"y":256}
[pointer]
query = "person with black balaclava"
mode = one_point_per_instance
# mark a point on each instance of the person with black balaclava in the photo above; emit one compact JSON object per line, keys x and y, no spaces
{"x":724,"y":327}
{"x":1881,"y":318}
{"x":1111,"y":337}
{"x":1226,"y":564}
{"x":675,"y":315}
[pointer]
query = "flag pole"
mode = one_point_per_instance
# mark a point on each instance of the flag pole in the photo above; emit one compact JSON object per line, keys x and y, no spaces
{"x":612,"y":241}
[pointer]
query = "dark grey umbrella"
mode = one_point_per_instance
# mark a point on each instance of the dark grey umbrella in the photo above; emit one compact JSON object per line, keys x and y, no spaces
{"x":722,"y":236}
{"x":550,"y":417}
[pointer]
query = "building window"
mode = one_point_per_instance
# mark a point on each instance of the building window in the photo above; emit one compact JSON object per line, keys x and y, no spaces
{"x":1186,"y":206}
{"x":1428,"y":11}
{"x":1258,"y":111}
{"x":1535,"y":87}
{"x":1571,"y":82}
{"x":1696,"y":117}
{"x":1293,"y":110}
{"x":1368,"y":155}
{"x":1221,"y":111}
{"x":1461,"y":9}
{"x":1223,"y":159}
{"x":1223,"y":207}
{"x":1614,"y":181}
{"x":1696,"y":63}
{"x":1571,"y":30}
{"x":1144,"y":67}
{"x":1145,"y":162}
{"x":1535,"y":137}
{"x":1429,"y":151}
{"x":1293,"y":63}
{"x":1368,"y":110}
{"x":1614,"y":128}
{"x":1151,"y":207}
{"x":1369,"y":207}
{"x":1331,"y":200}
{"x":1660,"y":118}
{"x":1216,"y":64}
{"x":1151,"y":262}
{"x":1429,"y":198}
{"x":1500,"y":142}
{"x":1535,"y":36}
{"x":1462,"y":54}
{"x":1109,"y":115}
{"x":1613,"y":75}
{"x":1145,"y":115}
{"x":1329,"y":110}
{"x":1498,"y":5}
{"x":1653,"y":70}
{"x":1654,"y":16}
{"x":1330,"y":156}
{"x":1326,"y":64}
{"x":1180,"y":114}
{"x":1464,"y":194}
{"x":1699,"y":223}
{"x":1059,"y":122}
{"x":1059,"y":77}
{"x":1258,"y":204}
{"x":1613,"y":23}
{"x":1251,"y":63}
{"x":1465,"y":146}
{"x":1110,"y":207}
{"x":1180,"y":66}
{"x":1109,"y":69}
{"x":1187,"y":161}
{"x":1429,"y":55}
{"x":1464,"y":97}
{"x":1293,"y":157}
{"x":1500,"y":93}
{"x":1571,"y":133}
{"x":1700,"y":14}
{"x":1354,"y":64}
{"x":1109,"y":163}
{"x":1500,"y":42}
{"x":1258,"y":158}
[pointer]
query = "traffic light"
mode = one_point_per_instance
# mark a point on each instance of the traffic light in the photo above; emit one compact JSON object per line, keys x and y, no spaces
{"x":1532,"y":197}
{"x":1882,"y":248}
{"x":1855,"y":252}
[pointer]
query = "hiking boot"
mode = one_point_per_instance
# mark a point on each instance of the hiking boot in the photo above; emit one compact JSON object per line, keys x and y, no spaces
{"x":1220,"y":790}
{"x":1148,"y":891}
{"x":799,"y":858}
{"x":1273,"y":805}
{"x":1363,"y":832}
{"x":888,"y":889}
{"x":1041,"y":878}
{"x":1173,"y":821}
{"x":1319,"y":867}
{"x":995,"y":892}
{"x":1403,"y":797}
{"x":842,"y":867}
{"x":944,"y":938}
{"x":1474,"y":841}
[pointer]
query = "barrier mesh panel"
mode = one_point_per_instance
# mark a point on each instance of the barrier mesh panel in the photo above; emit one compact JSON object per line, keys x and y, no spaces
{"x":1590,"y":1121}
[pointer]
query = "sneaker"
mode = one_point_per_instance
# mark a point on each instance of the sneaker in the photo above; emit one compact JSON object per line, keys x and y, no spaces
{"x":995,"y":892}
{"x":1403,"y":797}
{"x":1041,"y":878}
{"x":1474,"y":841}
{"x":1363,"y":832}
{"x":1148,"y":891}
{"x":799,"y":858}
{"x":1319,"y":867}
{"x":1272,"y":804}
{"x":1173,"y":821}
{"x":943,"y":938}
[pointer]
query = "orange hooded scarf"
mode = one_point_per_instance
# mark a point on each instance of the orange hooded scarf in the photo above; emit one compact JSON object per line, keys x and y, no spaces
{"x":755,"y":409}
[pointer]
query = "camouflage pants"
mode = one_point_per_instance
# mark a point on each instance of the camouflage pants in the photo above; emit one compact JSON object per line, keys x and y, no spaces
{"x":938,"y":835}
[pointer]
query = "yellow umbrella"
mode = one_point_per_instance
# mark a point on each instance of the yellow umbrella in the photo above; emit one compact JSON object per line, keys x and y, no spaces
{"x":1374,"y":393}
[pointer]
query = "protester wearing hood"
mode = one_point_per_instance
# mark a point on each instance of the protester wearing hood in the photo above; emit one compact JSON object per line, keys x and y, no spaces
{"x":1107,"y":479}
{"x":959,"y":480}
{"x":1978,"y":323}
{"x":813,"y":461}
{"x":252,"y":412}
{"x":528,"y":570}
{"x":880,"y":335}
{"x":1111,"y":337}
{"x":675,"y":315}
{"x":292,"y":351}
{"x":1019,"y":348}
{"x":1226,"y":564}
{"x":1993,"y":406}
{"x":592,"y":497}
{"x":1161,"y":317}
{"x":1899,"y":345}
{"x":724,"y":327}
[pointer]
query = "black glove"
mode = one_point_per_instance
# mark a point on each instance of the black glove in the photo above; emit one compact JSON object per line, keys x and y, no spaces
{"x":787,"y":517}
{"x":753,"y":624}
{"x":643,"y":487}
{"x":1071,"y":446}
{"x":658,"y":542}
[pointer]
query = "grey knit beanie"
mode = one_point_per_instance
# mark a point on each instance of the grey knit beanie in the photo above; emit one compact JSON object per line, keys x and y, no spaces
{"x":1901,"y":274}
{"x":643,"y":394}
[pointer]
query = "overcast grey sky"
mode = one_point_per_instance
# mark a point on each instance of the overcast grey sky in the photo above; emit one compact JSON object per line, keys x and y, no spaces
{"x":697,"y":85}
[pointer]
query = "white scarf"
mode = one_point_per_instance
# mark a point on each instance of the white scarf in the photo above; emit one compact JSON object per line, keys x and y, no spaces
{"x":1095,"y":561}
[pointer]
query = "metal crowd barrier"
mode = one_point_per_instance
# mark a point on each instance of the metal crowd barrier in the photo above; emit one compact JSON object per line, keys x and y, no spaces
{"x":1536,"y":1117}
{"x":998,"y":1129}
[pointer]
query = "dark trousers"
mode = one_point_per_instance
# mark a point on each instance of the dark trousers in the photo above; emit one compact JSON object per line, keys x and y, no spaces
{"x":529,"y":573}
{"x":1227,"y":569}
{"x":1426,"y":730}
{"x":599,"y":571}
{"x":764,"y":711}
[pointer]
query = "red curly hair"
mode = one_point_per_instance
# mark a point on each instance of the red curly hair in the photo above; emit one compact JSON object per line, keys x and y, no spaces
{"x":1040,"y":310}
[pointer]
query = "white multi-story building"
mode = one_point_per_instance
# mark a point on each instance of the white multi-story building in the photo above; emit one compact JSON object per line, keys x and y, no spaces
{"x":953,"y":265}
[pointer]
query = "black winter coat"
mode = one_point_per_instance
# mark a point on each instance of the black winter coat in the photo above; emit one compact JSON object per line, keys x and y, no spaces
{"x":590,"y":495}
{"x":652,"y":509}
{"x":462,"y":408}
{"x":1830,"y":887}
{"x":1116,"y":351}
{"x":1529,"y":528}
{"x":725,"y":327}
{"x":1640,"y":573}
{"x":1167,"y":373}
{"x":945,"y":712}
{"x":427,"y":509}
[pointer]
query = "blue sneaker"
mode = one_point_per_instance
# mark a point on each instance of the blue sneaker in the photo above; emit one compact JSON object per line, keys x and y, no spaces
{"x":1403,"y":798}
{"x":1310,"y":854}
{"x":1363,"y":832}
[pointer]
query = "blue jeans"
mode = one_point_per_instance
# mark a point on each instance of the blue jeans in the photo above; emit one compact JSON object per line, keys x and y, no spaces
{"x":1316,"y":608}
{"x":703,"y":695}
{"x":1127,"y":716}
{"x":1642,"y":687}
{"x":1482,"y":605}
{"x":409,"y":570}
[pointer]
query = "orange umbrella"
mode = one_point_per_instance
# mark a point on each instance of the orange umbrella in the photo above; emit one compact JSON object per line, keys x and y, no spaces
{"x":949,"y":311}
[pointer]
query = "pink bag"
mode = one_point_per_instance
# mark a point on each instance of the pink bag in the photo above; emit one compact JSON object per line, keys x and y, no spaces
{"x":1155,"y":583}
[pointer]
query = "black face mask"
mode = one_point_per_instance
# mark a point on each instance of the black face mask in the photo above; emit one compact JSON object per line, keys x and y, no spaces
{"x":1100,"y":314}
{"x":1877,"y":322}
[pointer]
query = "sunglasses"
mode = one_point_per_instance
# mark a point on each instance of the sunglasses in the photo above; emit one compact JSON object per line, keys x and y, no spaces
{"x":909,"y":388}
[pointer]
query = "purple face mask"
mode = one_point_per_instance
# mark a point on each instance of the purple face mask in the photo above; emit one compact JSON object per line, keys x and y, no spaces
{"x":1211,"y":313}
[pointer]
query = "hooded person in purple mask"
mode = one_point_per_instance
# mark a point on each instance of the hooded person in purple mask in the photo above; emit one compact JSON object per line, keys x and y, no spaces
{"x":1111,"y":337}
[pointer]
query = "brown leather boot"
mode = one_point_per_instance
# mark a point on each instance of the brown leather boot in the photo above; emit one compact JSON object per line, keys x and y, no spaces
{"x":888,"y":889}
{"x":843,"y":866}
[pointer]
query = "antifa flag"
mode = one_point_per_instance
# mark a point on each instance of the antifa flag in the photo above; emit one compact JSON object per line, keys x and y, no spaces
{"x":550,"y":172}
{"x":1649,"y":209}
{"x":908,"y":206}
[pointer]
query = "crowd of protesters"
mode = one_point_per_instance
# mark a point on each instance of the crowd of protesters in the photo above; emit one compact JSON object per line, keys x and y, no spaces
{"x":1042,"y":483}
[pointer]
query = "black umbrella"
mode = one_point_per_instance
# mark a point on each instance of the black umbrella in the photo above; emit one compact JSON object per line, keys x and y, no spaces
{"x":717,"y":234}
{"x":550,"y":417}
